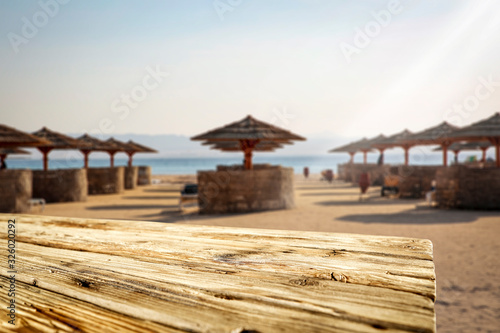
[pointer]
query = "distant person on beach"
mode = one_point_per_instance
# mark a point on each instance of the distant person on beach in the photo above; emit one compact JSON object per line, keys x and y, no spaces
{"x":364,"y":183}
{"x":306,"y":172}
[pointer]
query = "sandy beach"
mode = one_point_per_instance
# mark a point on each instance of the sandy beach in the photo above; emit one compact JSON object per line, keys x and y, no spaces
{"x":465,"y":242}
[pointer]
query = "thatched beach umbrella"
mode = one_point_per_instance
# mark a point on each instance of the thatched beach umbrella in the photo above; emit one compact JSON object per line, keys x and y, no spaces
{"x":92,"y":144}
{"x":4,"y":152}
{"x":115,"y":146}
{"x":395,"y":140}
{"x":135,"y":147}
{"x":55,"y":140}
{"x":457,"y":147}
{"x":248,"y":132}
{"x":11,"y":137}
{"x":353,"y":147}
{"x":484,"y":130}
{"x":437,"y":135}
{"x":232,"y":146}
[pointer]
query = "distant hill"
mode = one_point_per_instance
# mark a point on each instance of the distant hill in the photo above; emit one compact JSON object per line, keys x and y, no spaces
{"x":170,"y":145}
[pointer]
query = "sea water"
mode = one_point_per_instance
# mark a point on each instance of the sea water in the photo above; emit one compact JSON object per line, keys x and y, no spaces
{"x":176,"y":166}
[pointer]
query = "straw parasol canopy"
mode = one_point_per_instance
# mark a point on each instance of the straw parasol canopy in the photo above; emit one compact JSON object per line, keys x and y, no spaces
{"x":439,"y":134}
{"x":114,"y":147}
{"x":395,"y":140}
{"x":55,"y":140}
{"x":248,"y":132}
{"x":135,"y":147}
{"x":456,"y":147}
{"x":9,"y":151}
{"x":90,"y":144}
{"x":353,"y":147}
{"x":11,"y":137}
{"x":232,"y":146}
{"x":484,"y":130}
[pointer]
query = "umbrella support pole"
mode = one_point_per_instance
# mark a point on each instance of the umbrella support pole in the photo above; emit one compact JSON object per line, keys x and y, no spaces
{"x":247,"y":146}
{"x":45,"y":151}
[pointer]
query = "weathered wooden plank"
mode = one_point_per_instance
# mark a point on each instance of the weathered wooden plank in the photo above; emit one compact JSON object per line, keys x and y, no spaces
{"x":40,"y":310}
{"x":221,"y":279}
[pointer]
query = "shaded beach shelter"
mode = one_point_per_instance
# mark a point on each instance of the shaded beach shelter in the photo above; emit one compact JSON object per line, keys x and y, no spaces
{"x":437,"y":135}
{"x":11,"y":138}
{"x":374,"y":141}
{"x":247,"y":133}
{"x":91,"y":144}
{"x":457,"y":147}
{"x":484,"y":130}
{"x":395,"y":140}
{"x":135,"y":147}
{"x":232,"y":146}
{"x":353,"y":147}
{"x":4,"y":152}
{"x":114,"y":147}
{"x":55,"y":140}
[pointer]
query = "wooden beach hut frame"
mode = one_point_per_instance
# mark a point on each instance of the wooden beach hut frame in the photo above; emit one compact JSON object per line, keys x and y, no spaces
{"x":457,"y":147}
{"x":247,"y":134}
{"x":352,"y":148}
{"x":484,"y":130}
{"x":4,"y":152}
{"x":55,"y":140}
{"x":13,"y":138}
{"x":437,"y":135}
{"x":396,"y":140}
{"x":92,"y":144}
{"x":134,"y":148}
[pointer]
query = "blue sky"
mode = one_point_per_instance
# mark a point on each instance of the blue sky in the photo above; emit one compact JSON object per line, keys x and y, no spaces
{"x":281,"y":61}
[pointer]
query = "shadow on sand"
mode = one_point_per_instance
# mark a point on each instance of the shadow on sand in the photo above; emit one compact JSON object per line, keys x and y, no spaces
{"x":130,"y":207}
{"x":420,"y":215}
{"x":153,"y":197}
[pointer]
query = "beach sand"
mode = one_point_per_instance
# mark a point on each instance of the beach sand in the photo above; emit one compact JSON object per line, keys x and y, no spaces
{"x":466,"y":243}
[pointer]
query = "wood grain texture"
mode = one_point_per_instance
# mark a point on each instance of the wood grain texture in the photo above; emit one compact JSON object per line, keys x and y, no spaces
{"x":164,"y":277}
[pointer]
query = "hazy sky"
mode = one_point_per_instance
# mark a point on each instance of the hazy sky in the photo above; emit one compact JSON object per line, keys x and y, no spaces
{"x":328,"y":68}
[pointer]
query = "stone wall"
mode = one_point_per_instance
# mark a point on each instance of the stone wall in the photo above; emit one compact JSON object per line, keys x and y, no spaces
{"x":144,"y":175}
{"x":414,"y":180}
{"x":234,"y":190}
{"x":16,"y":190}
{"x":131,"y":177}
{"x":106,"y":180}
{"x":459,"y":186}
{"x":63,"y":185}
{"x":351,"y":172}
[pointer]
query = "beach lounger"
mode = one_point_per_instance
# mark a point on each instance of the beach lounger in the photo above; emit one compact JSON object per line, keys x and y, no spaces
{"x":188,"y":195}
{"x":391,"y":184}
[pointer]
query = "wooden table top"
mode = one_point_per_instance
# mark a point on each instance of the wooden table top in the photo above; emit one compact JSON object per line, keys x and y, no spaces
{"x":121,"y":276}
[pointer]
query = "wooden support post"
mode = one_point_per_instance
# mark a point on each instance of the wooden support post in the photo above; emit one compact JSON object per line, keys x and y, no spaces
{"x":483,"y":158}
{"x":407,"y":159}
{"x":444,"y":146}
{"x":497,"y":148}
{"x":85,"y":153}
{"x":111,"y":159}
{"x":130,"y":156}
{"x":247,"y":146}
{"x":364,"y":156}
{"x":381,"y":159}
{"x":45,"y":151}
{"x":351,"y":161}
